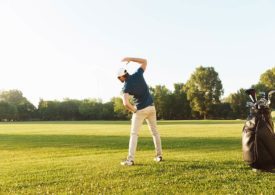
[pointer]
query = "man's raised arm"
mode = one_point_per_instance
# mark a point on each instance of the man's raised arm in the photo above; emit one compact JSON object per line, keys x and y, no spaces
{"x":127,"y":104}
{"x":142,"y":62}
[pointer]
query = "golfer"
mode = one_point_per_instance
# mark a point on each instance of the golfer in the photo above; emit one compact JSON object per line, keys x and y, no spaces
{"x":144,"y":108}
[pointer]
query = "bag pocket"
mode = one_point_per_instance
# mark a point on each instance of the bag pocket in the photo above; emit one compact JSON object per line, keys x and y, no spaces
{"x":249,"y":143}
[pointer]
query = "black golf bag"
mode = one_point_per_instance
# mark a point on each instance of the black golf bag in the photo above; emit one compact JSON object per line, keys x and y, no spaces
{"x":258,"y":138}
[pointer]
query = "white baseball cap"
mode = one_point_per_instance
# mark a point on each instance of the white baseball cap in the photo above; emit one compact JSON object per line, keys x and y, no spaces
{"x":121,"y":72}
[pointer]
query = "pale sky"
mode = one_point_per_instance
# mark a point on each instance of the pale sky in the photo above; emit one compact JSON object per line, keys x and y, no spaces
{"x":54,"y":49}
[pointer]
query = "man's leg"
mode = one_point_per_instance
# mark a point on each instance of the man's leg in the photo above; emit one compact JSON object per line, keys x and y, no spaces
{"x":152,"y":124}
{"x":137,"y":120}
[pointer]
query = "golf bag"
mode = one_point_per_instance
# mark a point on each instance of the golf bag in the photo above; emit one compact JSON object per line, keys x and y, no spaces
{"x":258,"y":138}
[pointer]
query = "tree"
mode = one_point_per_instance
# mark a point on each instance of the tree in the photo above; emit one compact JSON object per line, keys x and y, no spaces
{"x":69,"y":109}
{"x":238,"y":104}
{"x":14,"y":97}
{"x":267,"y":83}
{"x":25,"y":109}
{"x":204,"y":88}
{"x":221,"y":111}
{"x":180,"y":105}
{"x":260,"y":87}
{"x":163,"y":101}
{"x":108,"y":111}
{"x":268,"y":78}
{"x":119,"y":110}
{"x":49,"y":110}
{"x":91,"y":109}
{"x":7,"y":111}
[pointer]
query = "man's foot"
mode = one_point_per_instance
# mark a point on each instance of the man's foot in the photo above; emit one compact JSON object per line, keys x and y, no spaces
{"x":158,"y":159}
{"x":127,"y":163}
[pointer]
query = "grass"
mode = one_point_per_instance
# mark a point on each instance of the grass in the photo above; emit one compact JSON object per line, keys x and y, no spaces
{"x":83,"y":158}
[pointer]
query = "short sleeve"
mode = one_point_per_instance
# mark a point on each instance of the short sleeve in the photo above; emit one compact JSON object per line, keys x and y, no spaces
{"x":125,"y":89}
{"x":139,"y":71}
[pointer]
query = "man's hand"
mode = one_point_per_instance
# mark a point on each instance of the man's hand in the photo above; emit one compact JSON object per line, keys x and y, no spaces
{"x":142,"y":62}
{"x":127,"y":104}
{"x":127,"y":60}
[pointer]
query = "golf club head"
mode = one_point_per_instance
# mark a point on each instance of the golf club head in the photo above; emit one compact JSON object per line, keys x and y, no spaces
{"x":250,"y":104}
{"x":270,"y":94}
{"x":252,"y":94}
{"x":262,"y":95}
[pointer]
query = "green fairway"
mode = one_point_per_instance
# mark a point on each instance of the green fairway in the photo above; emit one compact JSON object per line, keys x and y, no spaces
{"x":84,"y":157}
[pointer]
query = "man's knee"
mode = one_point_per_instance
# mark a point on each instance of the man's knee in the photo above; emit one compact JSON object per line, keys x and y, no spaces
{"x":154,"y":132}
{"x":134,"y":133}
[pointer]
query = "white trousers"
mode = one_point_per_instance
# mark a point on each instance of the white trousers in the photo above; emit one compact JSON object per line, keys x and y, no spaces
{"x":149,"y":114}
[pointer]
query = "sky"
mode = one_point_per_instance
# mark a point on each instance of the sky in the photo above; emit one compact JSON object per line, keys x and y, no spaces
{"x":58,"y":49}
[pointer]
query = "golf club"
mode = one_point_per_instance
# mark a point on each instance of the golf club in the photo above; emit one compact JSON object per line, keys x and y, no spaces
{"x":252,"y":94}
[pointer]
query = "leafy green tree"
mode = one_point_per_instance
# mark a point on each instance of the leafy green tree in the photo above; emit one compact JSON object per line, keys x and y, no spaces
{"x":25,"y":109}
{"x":91,"y":109}
{"x":260,"y":87}
{"x":108,"y":111}
{"x":268,"y":78}
{"x":180,"y":106}
{"x":221,"y":111}
{"x":49,"y":110}
{"x":238,"y":104}
{"x":119,"y":110}
{"x":14,"y":97}
{"x":69,"y":109}
{"x":163,"y":101}
{"x":267,"y":83}
{"x":204,"y":88}
{"x":7,"y":111}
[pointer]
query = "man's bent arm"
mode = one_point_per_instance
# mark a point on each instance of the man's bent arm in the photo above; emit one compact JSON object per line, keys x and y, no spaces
{"x":127,"y":104}
{"x":142,"y":62}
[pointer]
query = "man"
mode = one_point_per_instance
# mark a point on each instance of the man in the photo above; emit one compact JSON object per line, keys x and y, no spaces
{"x":144,"y":108}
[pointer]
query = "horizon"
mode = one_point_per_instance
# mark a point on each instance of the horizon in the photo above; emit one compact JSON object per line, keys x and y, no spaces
{"x":57,"y":50}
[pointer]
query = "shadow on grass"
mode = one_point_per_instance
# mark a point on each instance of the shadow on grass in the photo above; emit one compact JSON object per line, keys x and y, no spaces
{"x":13,"y":142}
{"x":199,"y":122}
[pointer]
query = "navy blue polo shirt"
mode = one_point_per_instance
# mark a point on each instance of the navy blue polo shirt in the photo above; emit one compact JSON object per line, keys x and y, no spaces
{"x":135,"y":85}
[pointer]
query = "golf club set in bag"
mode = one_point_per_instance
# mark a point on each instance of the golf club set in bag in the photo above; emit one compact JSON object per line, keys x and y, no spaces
{"x":258,"y":138}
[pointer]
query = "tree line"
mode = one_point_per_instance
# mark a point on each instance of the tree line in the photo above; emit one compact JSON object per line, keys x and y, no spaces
{"x":198,"y":98}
